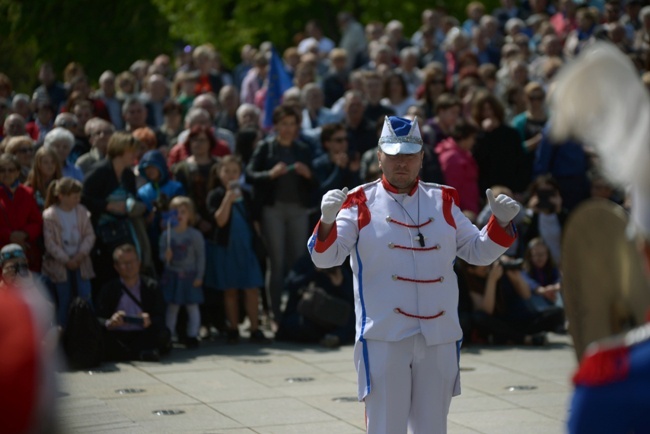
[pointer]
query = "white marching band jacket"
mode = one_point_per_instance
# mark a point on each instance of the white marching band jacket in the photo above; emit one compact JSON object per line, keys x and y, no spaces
{"x":404,"y":285}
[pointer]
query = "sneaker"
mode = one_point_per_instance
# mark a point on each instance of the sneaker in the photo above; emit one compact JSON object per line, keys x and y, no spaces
{"x":330,"y":341}
{"x":191,"y":343}
{"x":232,"y":337}
{"x":150,"y":356}
{"x":536,"y":340}
{"x":258,"y":337}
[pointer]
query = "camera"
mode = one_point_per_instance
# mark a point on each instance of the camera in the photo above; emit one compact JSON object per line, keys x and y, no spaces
{"x":544,"y":200}
{"x":137,"y":320}
{"x":233,"y":185}
{"x":512,"y":264}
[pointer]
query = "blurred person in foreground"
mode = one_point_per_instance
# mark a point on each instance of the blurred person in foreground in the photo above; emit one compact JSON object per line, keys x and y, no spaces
{"x":28,"y":343}
{"x":612,"y":384}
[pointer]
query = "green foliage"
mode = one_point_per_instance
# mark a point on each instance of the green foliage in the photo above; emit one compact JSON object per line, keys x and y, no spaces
{"x":229,"y":24}
{"x":99,"y":35}
{"x":113,"y":34}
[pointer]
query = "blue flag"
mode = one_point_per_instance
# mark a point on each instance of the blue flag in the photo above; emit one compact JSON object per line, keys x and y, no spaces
{"x":278,"y":82}
{"x":170,"y":218}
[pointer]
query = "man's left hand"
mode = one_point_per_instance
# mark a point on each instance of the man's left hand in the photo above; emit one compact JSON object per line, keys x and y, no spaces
{"x":503,"y":208}
{"x":146,"y":320}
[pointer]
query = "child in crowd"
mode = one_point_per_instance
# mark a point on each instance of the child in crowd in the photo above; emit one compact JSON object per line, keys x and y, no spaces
{"x":69,"y":238}
{"x":542,"y":275}
{"x":234,"y":264}
{"x":183,"y":250}
{"x":185,"y":87}
{"x":156,"y":193}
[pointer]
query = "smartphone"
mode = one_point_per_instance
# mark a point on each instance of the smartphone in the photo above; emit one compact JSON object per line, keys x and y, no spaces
{"x":136,"y":320}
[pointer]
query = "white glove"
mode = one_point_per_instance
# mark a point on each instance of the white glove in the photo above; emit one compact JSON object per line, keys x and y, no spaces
{"x":331,"y":204}
{"x":503,"y":207}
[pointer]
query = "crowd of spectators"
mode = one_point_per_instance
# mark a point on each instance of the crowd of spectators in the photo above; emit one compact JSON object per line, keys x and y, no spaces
{"x":88,"y":174}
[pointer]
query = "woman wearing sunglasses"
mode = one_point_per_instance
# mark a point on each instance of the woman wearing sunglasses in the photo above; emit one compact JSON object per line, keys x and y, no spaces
{"x":20,"y":218}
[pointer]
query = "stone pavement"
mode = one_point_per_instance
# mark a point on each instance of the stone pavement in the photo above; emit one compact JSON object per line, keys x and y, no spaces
{"x":286,"y":389}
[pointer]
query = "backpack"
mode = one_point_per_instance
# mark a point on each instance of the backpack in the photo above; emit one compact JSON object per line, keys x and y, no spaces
{"x":83,"y":342}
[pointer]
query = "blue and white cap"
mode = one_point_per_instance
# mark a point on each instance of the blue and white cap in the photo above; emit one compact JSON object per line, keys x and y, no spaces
{"x":400,"y":136}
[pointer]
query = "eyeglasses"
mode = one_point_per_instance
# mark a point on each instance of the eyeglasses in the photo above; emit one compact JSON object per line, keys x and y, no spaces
{"x":25,"y":151}
{"x":5,"y":170}
{"x":439,"y":81}
{"x":339,"y":139}
{"x":67,"y":124}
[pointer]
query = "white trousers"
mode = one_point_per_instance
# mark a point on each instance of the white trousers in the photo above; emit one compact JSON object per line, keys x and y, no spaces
{"x":411,"y":385}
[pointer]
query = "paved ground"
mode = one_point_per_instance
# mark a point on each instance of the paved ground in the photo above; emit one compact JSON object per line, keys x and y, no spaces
{"x":287,"y":389}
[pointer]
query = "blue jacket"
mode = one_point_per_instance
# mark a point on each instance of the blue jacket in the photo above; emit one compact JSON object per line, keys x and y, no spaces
{"x":560,"y":160}
{"x":151,"y":192}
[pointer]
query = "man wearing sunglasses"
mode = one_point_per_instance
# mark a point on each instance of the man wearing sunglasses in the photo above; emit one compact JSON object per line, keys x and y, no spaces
{"x":14,"y":264}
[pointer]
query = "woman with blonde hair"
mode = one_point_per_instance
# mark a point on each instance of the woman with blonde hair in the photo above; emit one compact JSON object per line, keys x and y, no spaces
{"x":23,"y":148}
{"x":109,"y":193}
{"x":46,"y":168}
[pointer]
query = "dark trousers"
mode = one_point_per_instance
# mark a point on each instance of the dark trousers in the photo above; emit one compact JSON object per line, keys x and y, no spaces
{"x":505,"y":330}
{"x":128,"y":345}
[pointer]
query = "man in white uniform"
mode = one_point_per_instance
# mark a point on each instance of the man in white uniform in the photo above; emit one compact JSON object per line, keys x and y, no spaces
{"x":403,"y":236}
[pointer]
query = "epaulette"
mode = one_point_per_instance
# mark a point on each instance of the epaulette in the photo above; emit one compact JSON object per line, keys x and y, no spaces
{"x":608,"y":361}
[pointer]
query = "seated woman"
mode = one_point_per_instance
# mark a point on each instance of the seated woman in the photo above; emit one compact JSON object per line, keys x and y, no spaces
{"x":542,"y":275}
{"x":503,"y":312}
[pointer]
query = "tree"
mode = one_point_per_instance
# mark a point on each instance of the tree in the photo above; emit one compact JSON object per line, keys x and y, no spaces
{"x":99,"y":35}
{"x":229,"y":24}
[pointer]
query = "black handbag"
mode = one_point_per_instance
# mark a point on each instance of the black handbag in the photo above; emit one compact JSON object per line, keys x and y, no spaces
{"x":115,"y":233}
{"x":323,"y":309}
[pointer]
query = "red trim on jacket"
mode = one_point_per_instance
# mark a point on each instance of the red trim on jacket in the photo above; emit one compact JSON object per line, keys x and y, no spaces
{"x":499,"y":234}
{"x":359,"y":199}
{"x":449,"y":197}
{"x":322,"y":246}
{"x":390,"y":188}
{"x":603,"y":367}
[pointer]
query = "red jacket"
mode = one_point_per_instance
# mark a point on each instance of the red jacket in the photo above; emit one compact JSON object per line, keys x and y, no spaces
{"x":461,"y":172}
{"x":22,"y":214}
{"x":181,"y":151}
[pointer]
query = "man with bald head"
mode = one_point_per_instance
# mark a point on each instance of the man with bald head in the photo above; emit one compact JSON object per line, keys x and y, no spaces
{"x":108,"y":96}
{"x":157,"y":93}
{"x":13,"y":126}
{"x":229,"y":100}
{"x":209,"y":103}
{"x":98,"y":131}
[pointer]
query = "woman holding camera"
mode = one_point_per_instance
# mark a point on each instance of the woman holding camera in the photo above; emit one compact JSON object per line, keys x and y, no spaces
{"x":503,"y":310}
{"x":546,"y":215}
{"x":280,"y":171}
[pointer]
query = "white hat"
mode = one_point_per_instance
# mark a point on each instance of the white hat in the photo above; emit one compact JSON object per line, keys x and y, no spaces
{"x":400,"y":136}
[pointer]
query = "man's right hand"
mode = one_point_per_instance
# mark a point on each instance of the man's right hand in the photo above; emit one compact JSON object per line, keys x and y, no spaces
{"x":117,"y":320}
{"x":331,"y":204}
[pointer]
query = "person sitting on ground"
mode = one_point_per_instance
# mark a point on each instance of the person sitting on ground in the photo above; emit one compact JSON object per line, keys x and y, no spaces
{"x":296,"y":326}
{"x":503,"y":312}
{"x":132,"y":309}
